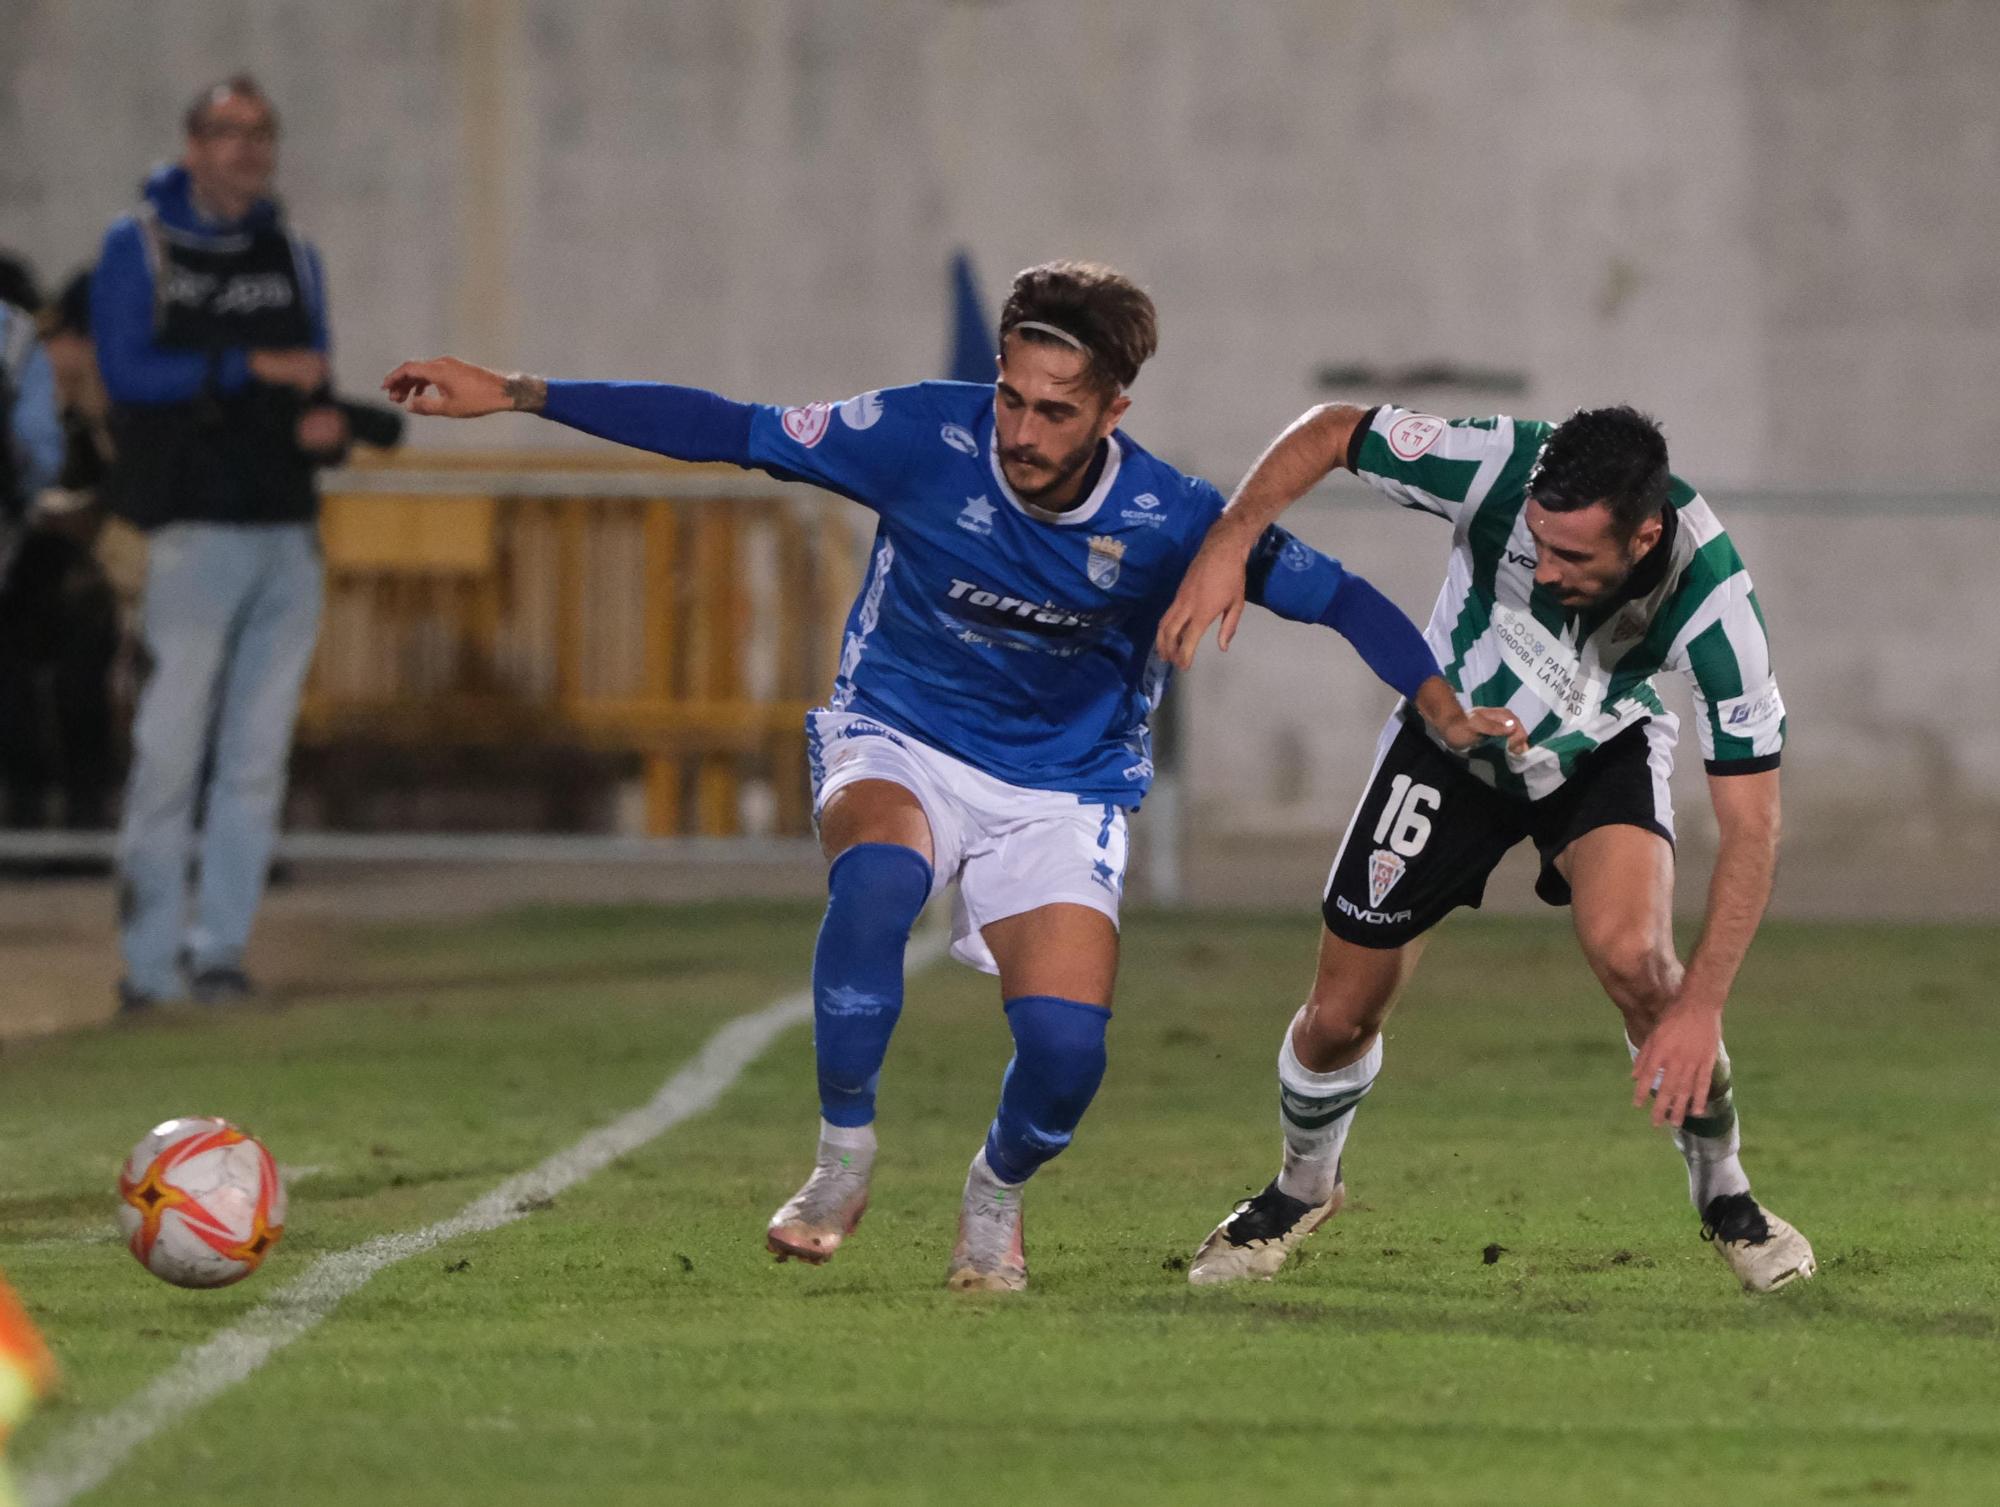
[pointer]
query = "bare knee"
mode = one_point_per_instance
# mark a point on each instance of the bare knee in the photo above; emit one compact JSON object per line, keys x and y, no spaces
{"x":1352,"y":994}
{"x":1640,"y":973}
{"x":1331,"y":1035}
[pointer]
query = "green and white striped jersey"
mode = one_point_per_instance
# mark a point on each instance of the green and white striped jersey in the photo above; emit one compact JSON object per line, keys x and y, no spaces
{"x":1576,"y":680}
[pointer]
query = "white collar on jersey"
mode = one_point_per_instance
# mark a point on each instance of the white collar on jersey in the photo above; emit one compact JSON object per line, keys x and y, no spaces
{"x":1084,"y":511}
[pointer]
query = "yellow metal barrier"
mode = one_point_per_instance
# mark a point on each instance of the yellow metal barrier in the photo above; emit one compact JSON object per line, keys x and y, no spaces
{"x":687,"y":615}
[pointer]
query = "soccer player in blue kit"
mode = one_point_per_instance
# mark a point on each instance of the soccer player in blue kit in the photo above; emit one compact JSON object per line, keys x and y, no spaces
{"x":988,"y":722}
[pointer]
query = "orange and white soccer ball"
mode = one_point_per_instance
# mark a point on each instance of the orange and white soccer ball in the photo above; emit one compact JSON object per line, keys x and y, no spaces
{"x":200,"y":1203}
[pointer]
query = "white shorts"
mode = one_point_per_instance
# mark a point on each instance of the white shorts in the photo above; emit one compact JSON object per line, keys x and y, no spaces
{"x":1009,"y":849}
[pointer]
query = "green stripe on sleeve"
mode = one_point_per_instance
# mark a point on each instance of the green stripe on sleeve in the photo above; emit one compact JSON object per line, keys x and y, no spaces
{"x":1446,"y":479}
{"x":1713,"y":660}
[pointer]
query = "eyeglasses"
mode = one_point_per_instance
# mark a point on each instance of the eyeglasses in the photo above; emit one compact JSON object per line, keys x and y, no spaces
{"x":263,"y":134}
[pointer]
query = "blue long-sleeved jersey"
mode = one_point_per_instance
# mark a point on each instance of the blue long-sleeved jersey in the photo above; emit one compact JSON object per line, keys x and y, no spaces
{"x":1015,"y":639}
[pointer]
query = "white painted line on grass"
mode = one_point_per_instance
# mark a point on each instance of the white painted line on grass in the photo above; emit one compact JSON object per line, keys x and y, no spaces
{"x":84,"y":1458}
{"x":105,"y":1236}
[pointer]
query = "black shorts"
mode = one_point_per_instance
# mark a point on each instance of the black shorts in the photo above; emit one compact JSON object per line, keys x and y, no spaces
{"x":1428,"y":832}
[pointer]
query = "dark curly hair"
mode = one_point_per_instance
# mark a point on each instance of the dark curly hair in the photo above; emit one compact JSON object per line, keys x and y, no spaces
{"x":1109,"y":315}
{"x":1616,"y":456}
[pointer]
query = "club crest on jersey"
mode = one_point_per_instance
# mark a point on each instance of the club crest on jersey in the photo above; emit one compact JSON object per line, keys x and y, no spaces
{"x":1107,"y":555}
{"x":807,"y":425}
{"x":977,"y":516}
{"x":1384,"y":869}
{"x":960,"y":439}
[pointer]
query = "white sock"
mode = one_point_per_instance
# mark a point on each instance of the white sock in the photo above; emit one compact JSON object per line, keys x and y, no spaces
{"x":851,"y":1146}
{"x":1315,"y":1111}
{"x":981,"y":1174}
{"x":1710,"y":1145}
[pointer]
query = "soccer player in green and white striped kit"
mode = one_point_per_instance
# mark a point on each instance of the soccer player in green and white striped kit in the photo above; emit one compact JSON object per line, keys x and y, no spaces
{"x":1580,"y":569}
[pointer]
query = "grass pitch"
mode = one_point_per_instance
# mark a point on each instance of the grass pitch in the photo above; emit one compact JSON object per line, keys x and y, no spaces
{"x":1514,"y":1306}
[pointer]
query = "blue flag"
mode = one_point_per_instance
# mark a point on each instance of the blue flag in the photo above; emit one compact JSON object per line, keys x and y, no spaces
{"x":972,"y":348}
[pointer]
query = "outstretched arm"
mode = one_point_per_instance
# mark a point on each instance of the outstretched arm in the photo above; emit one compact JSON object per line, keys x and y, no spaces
{"x":1681,"y":1051}
{"x":1292,"y":466}
{"x":1293,"y":580}
{"x":447,"y":388}
{"x":686,"y":423}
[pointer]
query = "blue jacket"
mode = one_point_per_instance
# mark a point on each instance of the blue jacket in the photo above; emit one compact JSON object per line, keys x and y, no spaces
{"x":178,"y":302}
{"x":136,"y":369}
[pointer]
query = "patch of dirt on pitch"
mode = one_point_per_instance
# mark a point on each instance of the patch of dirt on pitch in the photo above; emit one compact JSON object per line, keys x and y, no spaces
{"x":60,"y":935}
{"x":61,"y":941}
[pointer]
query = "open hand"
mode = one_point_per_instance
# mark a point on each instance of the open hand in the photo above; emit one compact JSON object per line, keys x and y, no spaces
{"x":1212,"y":588}
{"x":1680,"y":1055}
{"x":447,"y":387}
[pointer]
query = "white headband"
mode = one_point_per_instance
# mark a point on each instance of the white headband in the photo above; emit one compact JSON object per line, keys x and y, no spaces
{"x":1048,"y":329}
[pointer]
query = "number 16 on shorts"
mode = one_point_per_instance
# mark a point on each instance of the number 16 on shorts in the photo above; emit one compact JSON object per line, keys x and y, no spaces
{"x":1400,"y":834}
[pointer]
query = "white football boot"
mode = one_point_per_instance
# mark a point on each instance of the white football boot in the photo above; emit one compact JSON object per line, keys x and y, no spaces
{"x":989,"y":1255}
{"x":1764,"y":1252}
{"x":1253,"y":1242}
{"x":825,"y":1211}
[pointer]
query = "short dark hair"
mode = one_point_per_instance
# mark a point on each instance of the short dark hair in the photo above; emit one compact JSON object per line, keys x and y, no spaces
{"x":1616,"y":456}
{"x":195,"y":119}
{"x":1104,"y":311}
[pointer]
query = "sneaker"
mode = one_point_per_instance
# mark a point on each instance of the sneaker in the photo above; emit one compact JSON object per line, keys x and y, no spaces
{"x":1764,"y":1252}
{"x":825,"y":1211}
{"x":221,"y":986}
{"x":989,"y":1255}
{"x":1253,"y":1242}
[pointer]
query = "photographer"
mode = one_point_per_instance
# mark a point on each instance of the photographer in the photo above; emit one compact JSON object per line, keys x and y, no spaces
{"x":210,"y":317}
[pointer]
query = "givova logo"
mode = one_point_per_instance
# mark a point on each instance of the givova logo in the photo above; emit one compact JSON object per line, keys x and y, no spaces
{"x":1369,"y":917}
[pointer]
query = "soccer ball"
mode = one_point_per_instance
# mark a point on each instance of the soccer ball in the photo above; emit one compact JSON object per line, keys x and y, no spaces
{"x":200,"y":1203}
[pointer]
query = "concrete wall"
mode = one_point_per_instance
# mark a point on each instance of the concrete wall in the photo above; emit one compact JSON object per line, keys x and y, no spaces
{"x":1771,"y":221}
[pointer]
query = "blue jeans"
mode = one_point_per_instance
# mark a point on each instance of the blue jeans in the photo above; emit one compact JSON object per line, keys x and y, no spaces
{"x":230,"y":616}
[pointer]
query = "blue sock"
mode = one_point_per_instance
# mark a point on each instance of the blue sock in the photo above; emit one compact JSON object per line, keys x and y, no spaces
{"x":875,"y":891}
{"x":1058,"y":1063}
